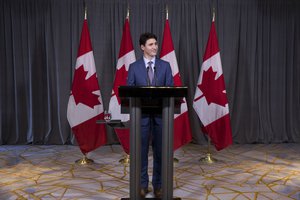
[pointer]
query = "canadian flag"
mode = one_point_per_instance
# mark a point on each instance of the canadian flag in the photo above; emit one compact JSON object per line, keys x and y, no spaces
{"x":182,"y":130}
{"x":126,"y":57}
{"x":85,"y":105}
{"x":210,"y":101}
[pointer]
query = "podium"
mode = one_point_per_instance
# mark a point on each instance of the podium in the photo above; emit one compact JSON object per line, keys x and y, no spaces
{"x":151,"y":100}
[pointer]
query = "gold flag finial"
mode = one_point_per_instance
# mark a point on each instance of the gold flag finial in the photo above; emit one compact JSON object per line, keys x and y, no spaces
{"x":167,"y":12}
{"x":85,"y":12}
{"x":127,"y":16}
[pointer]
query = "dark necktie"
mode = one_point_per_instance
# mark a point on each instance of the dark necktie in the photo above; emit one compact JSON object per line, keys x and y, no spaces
{"x":150,"y":72}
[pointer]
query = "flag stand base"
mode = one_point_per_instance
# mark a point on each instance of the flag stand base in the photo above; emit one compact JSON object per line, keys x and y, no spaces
{"x":84,"y":161}
{"x":208,"y":159}
{"x":175,"y":160}
{"x":125,"y":160}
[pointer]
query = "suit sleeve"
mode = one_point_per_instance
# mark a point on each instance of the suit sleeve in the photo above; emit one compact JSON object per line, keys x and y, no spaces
{"x":130,"y":77}
{"x":169,"y":78}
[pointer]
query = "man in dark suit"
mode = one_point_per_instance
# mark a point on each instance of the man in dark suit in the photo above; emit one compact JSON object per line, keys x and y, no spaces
{"x":150,"y":71}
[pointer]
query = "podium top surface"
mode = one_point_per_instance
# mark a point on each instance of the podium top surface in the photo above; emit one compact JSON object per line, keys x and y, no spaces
{"x":150,"y":91}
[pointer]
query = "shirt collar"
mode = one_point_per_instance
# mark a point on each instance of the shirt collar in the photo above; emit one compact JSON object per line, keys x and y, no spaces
{"x":147,"y":60}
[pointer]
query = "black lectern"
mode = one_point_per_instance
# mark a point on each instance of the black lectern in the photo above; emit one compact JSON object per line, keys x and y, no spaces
{"x":155,"y":100}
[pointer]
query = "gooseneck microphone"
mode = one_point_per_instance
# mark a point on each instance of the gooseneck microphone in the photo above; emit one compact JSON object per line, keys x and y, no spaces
{"x":148,"y":79}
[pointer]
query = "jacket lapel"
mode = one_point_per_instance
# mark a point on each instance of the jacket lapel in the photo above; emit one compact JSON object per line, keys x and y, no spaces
{"x":143,"y":71}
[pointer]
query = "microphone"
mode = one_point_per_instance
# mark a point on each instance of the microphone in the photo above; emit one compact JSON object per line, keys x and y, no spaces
{"x":148,"y":80}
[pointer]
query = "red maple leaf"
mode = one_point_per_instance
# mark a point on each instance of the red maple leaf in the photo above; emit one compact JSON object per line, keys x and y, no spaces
{"x":212,"y":89}
{"x":121,"y":75}
{"x":82,"y":89}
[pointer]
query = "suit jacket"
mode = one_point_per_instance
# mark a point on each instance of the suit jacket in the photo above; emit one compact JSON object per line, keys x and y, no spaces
{"x":138,"y":76}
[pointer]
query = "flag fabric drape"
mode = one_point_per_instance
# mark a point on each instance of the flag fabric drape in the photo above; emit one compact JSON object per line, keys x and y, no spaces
{"x":126,"y":57}
{"x":85,"y":104}
{"x":182,"y":130}
{"x":210,"y":101}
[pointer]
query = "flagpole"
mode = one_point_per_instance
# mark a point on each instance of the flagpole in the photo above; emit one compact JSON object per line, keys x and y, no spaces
{"x":175,"y":160}
{"x":85,"y":160}
{"x":208,"y":157}
{"x":126,"y":158}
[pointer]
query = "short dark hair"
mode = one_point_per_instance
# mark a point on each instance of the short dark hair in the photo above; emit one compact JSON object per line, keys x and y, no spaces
{"x":146,"y":36}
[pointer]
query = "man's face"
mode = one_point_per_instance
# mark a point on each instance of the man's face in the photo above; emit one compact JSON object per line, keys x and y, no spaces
{"x":150,"y":48}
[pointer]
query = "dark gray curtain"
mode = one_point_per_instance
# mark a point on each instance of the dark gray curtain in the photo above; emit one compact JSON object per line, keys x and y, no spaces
{"x":260,"y":50}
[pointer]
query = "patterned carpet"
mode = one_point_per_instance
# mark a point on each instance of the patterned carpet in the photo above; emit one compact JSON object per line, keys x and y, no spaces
{"x":241,"y":172}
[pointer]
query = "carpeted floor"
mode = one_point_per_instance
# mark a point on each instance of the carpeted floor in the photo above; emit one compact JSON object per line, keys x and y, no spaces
{"x":241,"y":172}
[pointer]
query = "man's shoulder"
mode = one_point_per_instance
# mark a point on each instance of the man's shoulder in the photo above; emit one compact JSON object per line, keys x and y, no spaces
{"x":137,"y":62}
{"x":162,"y":62}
